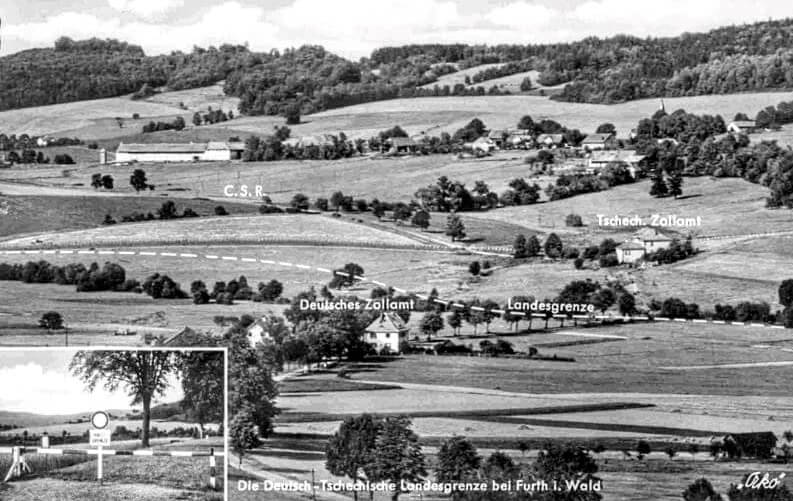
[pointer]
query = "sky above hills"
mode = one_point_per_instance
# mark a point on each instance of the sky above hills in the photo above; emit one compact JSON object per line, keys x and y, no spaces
{"x":39,"y":382}
{"x":352,"y":28}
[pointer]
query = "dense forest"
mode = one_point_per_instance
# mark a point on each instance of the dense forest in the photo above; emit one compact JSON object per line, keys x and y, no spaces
{"x":93,"y":69}
{"x":725,"y":60}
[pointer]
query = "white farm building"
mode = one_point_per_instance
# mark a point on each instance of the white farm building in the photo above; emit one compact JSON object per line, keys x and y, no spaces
{"x":179,"y":152}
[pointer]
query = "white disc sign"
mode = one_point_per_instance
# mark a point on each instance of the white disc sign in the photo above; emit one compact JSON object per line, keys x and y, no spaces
{"x":100,"y":419}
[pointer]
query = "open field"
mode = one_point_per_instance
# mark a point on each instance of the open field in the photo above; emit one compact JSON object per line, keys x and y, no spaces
{"x":389,"y":179}
{"x":727,"y":206}
{"x":58,"y":213}
{"x":605,"y":367}
{"x":55,"y":430}
{"x":450,"y":113}
{"x":96,"y":119}
{"x":221,"y":229}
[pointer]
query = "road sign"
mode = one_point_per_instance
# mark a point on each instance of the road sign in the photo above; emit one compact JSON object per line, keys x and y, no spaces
{"x":100,"y":419}
{"x":99,"y":437}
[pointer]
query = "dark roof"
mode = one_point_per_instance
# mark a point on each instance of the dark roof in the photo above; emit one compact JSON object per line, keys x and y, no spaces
{"x":628,"y":245}
{"x":185,"y":337}
{"x":387,"y":322}
{"x":162,"y":148}
{"x":596,"y":138}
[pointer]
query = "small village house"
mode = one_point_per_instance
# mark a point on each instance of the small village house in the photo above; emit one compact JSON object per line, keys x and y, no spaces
{"x":551,"y":140}
{"x":599,"y":159}
{"x":742,"y":127}
{"x":257,"y":332}
{"x":520,"y":138}
{"x":481,"y":145}
{"x":497,"y":136}
{"x":386,"y":333}
{"x":402,"y":145}
{"x":599,"y":141}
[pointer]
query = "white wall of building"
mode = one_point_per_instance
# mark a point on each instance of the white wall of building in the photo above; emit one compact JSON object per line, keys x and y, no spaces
{"x":157,"y":157}
{"x":381,"y":339}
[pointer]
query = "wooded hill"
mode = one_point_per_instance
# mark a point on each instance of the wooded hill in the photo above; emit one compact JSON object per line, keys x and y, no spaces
{"x":725,"y":60}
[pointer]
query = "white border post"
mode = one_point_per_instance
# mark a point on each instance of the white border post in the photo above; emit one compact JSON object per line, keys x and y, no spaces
{"x":99,"y":463}
{"x":212,"y":472}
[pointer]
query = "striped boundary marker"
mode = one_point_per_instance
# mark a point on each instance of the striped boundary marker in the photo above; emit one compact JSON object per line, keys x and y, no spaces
{"x":19,"y":452}
{"x":447,"y":304}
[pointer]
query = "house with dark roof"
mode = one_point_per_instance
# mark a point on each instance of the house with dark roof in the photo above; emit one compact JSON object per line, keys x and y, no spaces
{"x":400,"y":145}
{"x":497,"y":136}
{"x":386,"y":333}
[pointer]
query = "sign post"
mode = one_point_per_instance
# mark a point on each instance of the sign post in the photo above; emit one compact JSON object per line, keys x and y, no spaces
{"x":99,"y":436}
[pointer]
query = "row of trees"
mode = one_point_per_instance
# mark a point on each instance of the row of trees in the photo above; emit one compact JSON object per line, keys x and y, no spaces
{"x":376,"y":449}
{"x":235,"y":289}
{"x":177,"y":124}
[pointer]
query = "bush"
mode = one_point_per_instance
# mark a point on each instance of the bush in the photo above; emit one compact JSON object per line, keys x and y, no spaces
{"x":573,"y":220}
{"x":221,"y":211}
{"x":608,"y":260}
{"x":270,"y":209}
{"x":571,"y":253}
{"x":578,"y":263}
{"x":591,"y":252}
{"x":321,"y":204}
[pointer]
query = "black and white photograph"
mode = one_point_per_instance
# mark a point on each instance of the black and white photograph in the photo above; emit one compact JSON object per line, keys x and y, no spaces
{"x":120,"y":424}
{"x":453,"y":250}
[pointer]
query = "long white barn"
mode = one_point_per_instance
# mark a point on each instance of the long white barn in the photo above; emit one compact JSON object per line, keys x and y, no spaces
{"x":179,"y":152}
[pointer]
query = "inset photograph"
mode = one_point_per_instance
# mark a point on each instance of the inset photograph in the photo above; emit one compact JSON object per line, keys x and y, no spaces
{"x":112,"y":424}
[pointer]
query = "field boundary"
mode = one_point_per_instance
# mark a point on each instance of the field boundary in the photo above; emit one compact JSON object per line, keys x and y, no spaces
{"x":424,"y":297}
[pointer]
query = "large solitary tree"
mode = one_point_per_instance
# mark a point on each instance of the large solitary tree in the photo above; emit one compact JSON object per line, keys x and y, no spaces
{"x":203,"y":386}
{"x":398,"y":456}
{"x":142,"y":374}
{"x":352,"y":447}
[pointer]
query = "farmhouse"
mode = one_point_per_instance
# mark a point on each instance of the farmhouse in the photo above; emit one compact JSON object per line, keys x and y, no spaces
{"x":551,"y":140}
{"x":599,"y":141}
{"x":219,"y":150}
{"x":257,"y":331}
{"x":520,"y":138}
{"x":179,"y":152}
{"x":481,"y":145}
{"x":317,"y":140}
{"x":386,"y":333}
{"x":497,"y":136}
{"x":643,"y":242}
{"x":402,"y":145}
{"x":599,"y":159}
{"x":742,"y":127}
